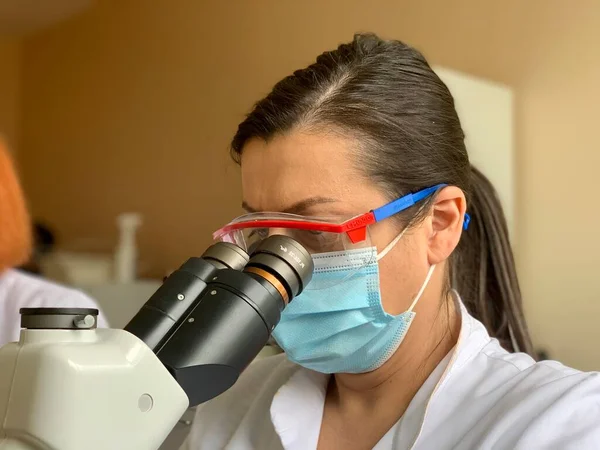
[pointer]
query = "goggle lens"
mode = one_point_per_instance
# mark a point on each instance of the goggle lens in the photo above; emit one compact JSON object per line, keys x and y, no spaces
{"x":335,"y":246}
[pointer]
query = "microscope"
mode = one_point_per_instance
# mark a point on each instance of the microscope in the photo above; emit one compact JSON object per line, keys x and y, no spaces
{"x":67,"y":385}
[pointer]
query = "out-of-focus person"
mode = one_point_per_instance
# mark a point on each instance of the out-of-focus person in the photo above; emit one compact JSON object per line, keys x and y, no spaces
{"x":19,"y":289}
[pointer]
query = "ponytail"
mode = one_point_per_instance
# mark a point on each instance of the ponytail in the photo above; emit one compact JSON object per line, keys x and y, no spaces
{"x":483,"y":270}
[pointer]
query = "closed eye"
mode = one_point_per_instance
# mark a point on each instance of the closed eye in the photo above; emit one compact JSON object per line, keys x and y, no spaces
{"x":259,"y":232}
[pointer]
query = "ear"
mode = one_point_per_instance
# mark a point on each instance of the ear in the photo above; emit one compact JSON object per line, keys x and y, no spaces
{"x":448,"y":213}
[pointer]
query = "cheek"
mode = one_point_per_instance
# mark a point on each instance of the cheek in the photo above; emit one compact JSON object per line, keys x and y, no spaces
{"x":401,"y":274}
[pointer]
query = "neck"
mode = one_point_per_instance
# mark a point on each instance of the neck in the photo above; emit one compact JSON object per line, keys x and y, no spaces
{"x":431,"y":337}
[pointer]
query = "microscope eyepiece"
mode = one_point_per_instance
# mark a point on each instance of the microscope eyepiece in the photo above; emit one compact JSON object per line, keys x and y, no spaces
{"x":226,"y":255}
{"x":285,"y":260}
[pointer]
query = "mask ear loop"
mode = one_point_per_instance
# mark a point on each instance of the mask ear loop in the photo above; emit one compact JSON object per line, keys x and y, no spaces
{"x":427,"y":278}
{"x":391,"y":245}
{"x":386,"y":250}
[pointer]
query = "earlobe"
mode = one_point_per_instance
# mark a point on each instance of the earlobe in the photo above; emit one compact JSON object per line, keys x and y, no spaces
{"x":448,"y":211}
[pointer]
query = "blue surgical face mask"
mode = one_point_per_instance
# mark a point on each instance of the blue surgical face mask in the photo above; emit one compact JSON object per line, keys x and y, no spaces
{"x":338,"y":324}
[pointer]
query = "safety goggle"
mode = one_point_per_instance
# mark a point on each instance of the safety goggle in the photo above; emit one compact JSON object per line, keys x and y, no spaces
{"x":318,"y":235}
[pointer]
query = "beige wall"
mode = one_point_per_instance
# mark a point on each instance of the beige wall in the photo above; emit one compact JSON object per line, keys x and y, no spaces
{"x":110,"y":93}
{"x":9,"y":90}
{"x":558,"y":164}
{"x":131,"y":106}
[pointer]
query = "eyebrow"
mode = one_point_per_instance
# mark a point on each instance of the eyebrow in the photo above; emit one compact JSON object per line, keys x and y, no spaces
{"x":298,"y":207}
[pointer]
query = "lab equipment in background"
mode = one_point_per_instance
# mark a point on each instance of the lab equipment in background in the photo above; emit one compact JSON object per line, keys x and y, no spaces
{"x":67,"y":385}
{"x":77,"y":268}
{"x":111,"y":278}
{"x":87,"y":262}
{"x":126,"y":254}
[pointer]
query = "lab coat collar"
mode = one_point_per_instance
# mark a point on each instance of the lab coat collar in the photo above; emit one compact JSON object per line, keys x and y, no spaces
{"x":297,"y":408}
{"x":472,"y":338}
{"x":297,"y":405}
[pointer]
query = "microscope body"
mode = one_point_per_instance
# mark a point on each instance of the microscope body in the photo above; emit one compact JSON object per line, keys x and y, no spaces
{"x":67,"y":385}
{"x":92,"y":389}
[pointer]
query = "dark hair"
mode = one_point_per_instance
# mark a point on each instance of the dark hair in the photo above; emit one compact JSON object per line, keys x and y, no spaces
{"x":483,"y":269}
{"x":385,"y":94}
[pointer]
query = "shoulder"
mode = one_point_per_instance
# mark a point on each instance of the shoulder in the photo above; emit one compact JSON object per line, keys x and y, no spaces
{"x":555,"y":405}
{"x":482,"y":360}
{"x":246,"y":405}
{"x":22,"y":290}
{"x":520,"y":372}
{"x":519,"y":403}
{"x":565,"y":407}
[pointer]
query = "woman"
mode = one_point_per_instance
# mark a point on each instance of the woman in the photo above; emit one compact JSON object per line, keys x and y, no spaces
{"x":18,"y":289}
{"x":380,"y":351}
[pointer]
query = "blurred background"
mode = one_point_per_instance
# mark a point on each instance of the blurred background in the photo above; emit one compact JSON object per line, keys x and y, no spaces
{"x":128,"y":106}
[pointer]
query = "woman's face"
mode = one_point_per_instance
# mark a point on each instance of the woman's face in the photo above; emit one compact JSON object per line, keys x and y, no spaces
{"x":318,"y":175}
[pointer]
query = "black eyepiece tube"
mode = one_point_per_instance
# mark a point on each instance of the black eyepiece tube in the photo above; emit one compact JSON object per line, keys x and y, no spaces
{"x":162,"y":313}
{"x":233,"y":318}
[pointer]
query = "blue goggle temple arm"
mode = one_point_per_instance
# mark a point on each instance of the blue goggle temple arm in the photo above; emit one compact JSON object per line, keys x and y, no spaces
{"x":409,"y":200}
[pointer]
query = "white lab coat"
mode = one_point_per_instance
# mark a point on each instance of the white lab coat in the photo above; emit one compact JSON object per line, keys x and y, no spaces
{"x":21,"y":290}
{"x":479,"y":397}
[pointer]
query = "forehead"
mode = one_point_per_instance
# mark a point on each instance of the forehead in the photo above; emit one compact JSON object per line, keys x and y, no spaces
{"x":293,"y":167}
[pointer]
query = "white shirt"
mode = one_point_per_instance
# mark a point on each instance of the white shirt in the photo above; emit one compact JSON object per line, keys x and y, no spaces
{"x":479,"y":397}
{"x":21,"y":290}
